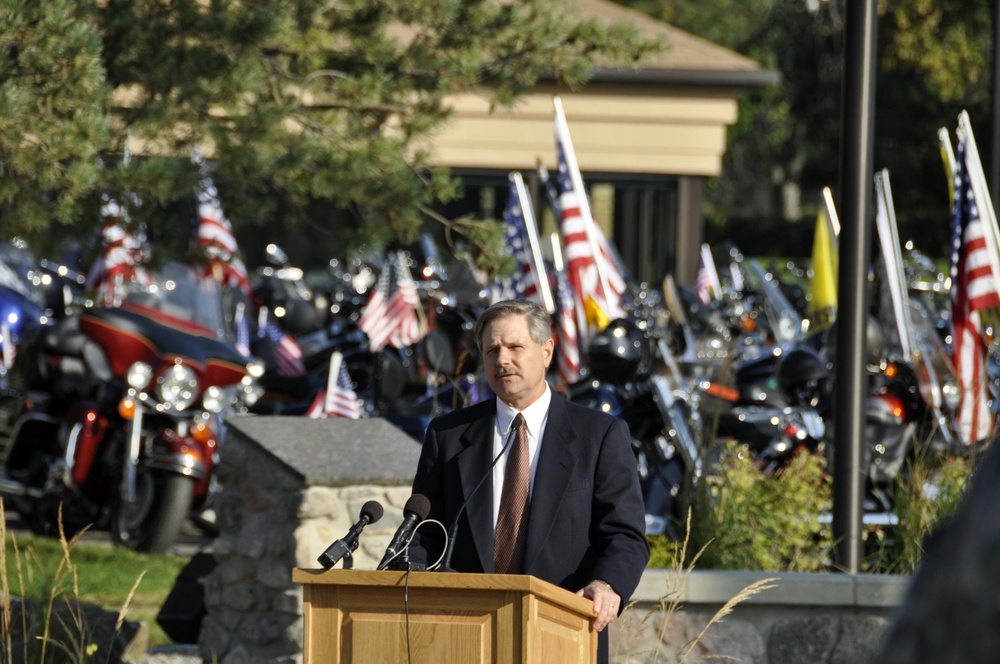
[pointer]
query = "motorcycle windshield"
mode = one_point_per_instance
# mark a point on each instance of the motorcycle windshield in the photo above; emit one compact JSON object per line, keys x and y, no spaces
{"x":179,"y":293}
{"x":786,"y":323}
{"x":931,"y":361}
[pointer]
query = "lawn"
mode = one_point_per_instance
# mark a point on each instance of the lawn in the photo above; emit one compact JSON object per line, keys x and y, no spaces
{"x":105,"y":576}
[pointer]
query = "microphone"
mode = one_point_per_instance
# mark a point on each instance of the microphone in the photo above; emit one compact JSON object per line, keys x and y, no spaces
{"x":370,"y":513}
{"x":445,"y":565}
{"x":415,"y":510}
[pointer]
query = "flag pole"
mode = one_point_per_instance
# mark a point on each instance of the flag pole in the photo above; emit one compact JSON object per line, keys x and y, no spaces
{"x":948,"y":159}
{"x":533,"y":245}
{"x":574,"y":173}
{"x":885,"y":221}
{"x":832,"y":220}
{"x":713,"y":273}
{"x":985,"y":203}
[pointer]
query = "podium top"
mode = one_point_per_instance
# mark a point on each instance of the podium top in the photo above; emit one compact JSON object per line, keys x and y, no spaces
{"x":451,"y":580}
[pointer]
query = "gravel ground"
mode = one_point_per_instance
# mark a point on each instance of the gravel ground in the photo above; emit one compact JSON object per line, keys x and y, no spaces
{"x":172,"y":655}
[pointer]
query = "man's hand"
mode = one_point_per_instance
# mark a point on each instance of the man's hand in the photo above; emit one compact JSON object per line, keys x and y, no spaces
{"x":606,"y":602}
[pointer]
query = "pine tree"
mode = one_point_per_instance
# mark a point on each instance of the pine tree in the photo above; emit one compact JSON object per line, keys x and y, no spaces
{"x":302,"y":105}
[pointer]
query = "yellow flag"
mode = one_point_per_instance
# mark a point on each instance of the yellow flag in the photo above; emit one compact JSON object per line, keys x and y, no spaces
{"x":596,"y":317}
{"x":823,"y":287}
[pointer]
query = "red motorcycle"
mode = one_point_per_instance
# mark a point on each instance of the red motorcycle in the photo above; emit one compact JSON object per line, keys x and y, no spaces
{"x":115,"y":415}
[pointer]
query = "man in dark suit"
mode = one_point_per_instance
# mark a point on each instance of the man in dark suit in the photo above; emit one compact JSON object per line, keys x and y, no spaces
{"x":584,"y":524}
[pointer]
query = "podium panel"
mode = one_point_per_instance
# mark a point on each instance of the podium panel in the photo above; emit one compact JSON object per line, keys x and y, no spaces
{"x":354,"y":616}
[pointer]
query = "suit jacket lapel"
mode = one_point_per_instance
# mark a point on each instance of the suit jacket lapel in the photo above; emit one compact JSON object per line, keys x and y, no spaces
{"x":555,"y":467}
{"x":474,"y":464}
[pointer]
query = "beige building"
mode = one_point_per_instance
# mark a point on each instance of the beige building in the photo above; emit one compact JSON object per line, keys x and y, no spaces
{"x":645,"y":139}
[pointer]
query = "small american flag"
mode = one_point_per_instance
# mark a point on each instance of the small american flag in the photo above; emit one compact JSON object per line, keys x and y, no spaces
{"x":120,"y":260}
{"x":567,"y":339}
{"x":339,"y":398}
{"x":390,"y":317}
{"x":524,"y":282}
{"x":215,"y":234}
{"x":706,"y":281}
{"x":241,"y":330}
{"x":973,"y":290}
{"x":286,"y":351}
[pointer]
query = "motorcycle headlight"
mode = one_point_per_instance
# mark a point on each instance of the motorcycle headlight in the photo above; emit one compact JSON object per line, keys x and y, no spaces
{"x":215,"y":400}
{"x":178,"y":387}
{"x":252,"y":393}
{"x":255,"y":368}
{"x":952,"y":395}
{"x":139,"y":375}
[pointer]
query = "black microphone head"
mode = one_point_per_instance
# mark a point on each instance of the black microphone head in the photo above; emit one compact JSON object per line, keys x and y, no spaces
{"x":418,"y":504}
{"x":373,"y":510}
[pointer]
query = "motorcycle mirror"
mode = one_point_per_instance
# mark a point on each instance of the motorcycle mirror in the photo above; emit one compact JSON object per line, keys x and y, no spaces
{"x":276,"y":255}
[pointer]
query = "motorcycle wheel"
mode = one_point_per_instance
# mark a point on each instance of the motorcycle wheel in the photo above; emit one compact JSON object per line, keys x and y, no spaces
{"x":152,"y":522}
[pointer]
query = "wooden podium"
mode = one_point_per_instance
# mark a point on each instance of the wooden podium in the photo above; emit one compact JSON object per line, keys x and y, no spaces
{"x":361,"y":617}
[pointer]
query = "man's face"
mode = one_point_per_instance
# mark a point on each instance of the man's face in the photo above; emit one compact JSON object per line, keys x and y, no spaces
{"x":515,"y":364}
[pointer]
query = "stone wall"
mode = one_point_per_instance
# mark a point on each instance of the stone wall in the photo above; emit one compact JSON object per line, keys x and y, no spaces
{"x":288,"y":493}
{"x":783,"y":618}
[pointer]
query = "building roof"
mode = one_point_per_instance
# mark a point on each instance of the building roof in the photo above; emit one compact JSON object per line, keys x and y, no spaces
{"x":685,"y":58}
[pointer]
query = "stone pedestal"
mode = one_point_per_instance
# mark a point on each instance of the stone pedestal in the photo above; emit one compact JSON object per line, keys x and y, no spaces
{"x":291,"y":487}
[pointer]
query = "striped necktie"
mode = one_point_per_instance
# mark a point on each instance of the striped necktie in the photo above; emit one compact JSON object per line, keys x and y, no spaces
{"x":512,"y":523}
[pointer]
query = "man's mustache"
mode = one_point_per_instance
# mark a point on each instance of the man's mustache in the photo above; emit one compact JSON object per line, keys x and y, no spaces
{"x":505,"y":371}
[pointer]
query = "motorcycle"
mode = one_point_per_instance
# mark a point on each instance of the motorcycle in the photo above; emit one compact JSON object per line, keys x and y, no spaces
{"x":627,"y":381}
{"x":114,"y":416}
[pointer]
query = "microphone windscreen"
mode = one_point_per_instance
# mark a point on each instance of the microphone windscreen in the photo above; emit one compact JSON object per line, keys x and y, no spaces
{"x":418,"y":504}
{"x":373,"y":510}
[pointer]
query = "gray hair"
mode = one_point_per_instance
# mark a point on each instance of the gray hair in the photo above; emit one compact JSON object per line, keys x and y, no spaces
{"x":539,"y":322}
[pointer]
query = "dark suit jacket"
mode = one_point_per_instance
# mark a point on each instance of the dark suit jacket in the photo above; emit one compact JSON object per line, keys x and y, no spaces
{"x":586,"y":519}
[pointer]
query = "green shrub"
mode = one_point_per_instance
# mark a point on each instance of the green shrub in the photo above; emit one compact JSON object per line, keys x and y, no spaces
{"x":928,"y":493}
{"x":761,"y":521}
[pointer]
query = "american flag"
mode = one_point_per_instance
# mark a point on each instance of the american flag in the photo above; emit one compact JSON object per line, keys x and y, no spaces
{"x":706,"y":279}
{"x":286,"y":351}
{"x":120,"y":260}
{"x":567,"y":339}
{"x":390,"y":317}
{"x":215,"y":234}
{"x":524,"y":282}
{"x":577,"y":226}
{"x":241,"y":330}
{"x":338,"y":399}
{"x":973,"y":290}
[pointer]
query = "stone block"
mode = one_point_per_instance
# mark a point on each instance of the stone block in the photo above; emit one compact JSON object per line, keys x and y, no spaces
{"x":237,"y":655}
{"x":289,"y":601}
{"x":321,"y":502}
{"x":860,"y":639}
{"x":330,"y":452}
{"x":794,"y":641}
{"x":734,"y":640}
{"x":274,"y":574}
{"x":241,"y":597}
{"x":214,"y":639}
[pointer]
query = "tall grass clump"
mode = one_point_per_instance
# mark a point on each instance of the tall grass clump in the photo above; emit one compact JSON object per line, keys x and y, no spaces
{"x":53,"y":626}
{"x":680,"y":560}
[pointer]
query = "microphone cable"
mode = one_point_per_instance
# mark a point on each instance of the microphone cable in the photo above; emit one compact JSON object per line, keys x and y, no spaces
{"x":406,"y":583}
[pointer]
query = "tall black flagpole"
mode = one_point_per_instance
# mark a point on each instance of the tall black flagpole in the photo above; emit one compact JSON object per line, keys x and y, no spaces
{"x":856,"y":180}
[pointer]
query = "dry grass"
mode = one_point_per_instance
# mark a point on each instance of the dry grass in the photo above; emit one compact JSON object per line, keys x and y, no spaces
{"x":670,"y":602}
{"x":62,"y":634}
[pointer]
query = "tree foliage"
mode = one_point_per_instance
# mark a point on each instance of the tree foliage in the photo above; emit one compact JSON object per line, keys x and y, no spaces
{"x":301,"y":104}
{"x":933,"y":61}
